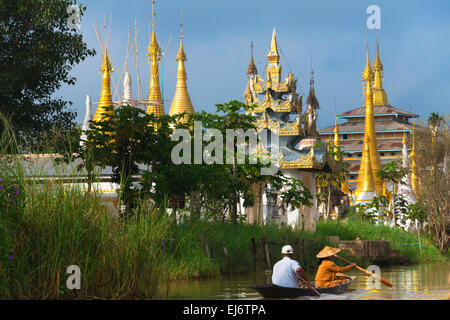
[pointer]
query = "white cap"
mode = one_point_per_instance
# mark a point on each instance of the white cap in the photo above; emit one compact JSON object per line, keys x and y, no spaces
{"x":287,"y":249}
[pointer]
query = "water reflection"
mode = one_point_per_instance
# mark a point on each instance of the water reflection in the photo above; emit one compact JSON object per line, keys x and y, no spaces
{"x":431,"y":281}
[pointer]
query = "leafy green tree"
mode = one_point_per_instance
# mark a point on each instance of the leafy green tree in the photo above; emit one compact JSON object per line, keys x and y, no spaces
{"x":125,"y":139}
{"x":371,"y":211}
{"x":37,"y":52}
{"x":293,"y":194}
{"x":327,"y":180}
{"x":392,"y":172}
{"x":232,"y":116}
{"x":435,"y":120}
{"x":432,"y":146}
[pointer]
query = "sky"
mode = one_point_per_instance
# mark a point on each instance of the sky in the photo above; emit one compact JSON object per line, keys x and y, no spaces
{"x":414,"y":47}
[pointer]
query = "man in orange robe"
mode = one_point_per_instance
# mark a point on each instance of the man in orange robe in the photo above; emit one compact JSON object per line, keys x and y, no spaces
{"x":326,"y":274}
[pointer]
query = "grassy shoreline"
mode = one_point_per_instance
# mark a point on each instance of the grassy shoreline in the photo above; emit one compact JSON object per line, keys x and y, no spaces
{"x":130,"y":258}
{"x":45,"y":227}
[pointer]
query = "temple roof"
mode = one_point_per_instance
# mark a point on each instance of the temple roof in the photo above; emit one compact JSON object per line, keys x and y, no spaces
{"x":382,"y":145}
{"x":358,"y":127}
{"x":310,"y":158}
{"x":378,"y":111}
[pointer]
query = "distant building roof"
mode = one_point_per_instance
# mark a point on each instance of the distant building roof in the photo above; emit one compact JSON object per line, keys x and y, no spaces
{"x":383,"y":145}
{"x":378,"y":111}
{"x":358,"y":127}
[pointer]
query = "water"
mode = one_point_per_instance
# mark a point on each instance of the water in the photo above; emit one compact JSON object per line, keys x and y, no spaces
{"x":431,"y":281}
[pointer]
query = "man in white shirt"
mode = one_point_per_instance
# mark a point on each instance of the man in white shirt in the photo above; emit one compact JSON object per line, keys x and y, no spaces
{"x":287,"y":271}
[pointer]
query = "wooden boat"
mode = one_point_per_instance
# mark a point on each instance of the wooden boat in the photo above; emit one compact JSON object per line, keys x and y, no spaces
{"x":274,"y":291}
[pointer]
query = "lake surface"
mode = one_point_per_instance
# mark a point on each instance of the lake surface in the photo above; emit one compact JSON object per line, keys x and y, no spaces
{"x":430,"y":281}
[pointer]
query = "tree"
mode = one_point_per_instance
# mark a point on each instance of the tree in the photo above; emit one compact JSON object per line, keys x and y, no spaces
{"x":125,"y":139}
{"x":293,"y":194}
{"x":435,"y":120}
{"x":329,"y":179}
{"x":231,"y":116}
{"x":392,"y":172}
{"x":37,"y":52}
{"x":432,"y":169}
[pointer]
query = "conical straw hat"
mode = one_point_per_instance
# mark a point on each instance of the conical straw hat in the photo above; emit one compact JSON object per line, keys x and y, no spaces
{"x":327,"y":252}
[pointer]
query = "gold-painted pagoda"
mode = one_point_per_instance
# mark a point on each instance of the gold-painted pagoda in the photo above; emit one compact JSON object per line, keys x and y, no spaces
{"x":105,"y":95}
{"x":181,"y":101}
{"x":155,"y":101}
{"x":369,"y":141}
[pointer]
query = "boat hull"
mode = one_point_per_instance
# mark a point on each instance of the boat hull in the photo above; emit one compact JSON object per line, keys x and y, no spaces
{"x":272,"y":291}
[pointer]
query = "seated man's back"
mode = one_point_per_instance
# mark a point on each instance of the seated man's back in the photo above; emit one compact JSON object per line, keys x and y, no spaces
{"x":284,"y":273}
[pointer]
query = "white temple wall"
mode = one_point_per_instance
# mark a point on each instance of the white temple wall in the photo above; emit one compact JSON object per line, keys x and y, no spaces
{"x":311,"y":214}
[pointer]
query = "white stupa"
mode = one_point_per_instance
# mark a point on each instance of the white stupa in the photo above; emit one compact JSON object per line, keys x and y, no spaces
{"x":86,"y":121}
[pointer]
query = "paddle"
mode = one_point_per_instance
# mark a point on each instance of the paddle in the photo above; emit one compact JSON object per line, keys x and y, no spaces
{"x":309,"y":286}
{"x":367,"y":272}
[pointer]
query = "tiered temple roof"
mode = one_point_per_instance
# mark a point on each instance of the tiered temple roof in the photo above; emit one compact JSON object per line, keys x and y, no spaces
{"x":279,"y":109}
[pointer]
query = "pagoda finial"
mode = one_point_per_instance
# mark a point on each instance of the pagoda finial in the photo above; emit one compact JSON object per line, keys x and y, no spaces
{"x":312,"y":100}
{"x":105,"y":95}
{"x":181,"y":56}
{"x":378,"y":65}
{"x":155,"y":103}
{"x":181,"y":101}
{"x":251,"y":66}
{"x":274,"y":56}
{"x":379,"y":94}
{"x":368,"y":73}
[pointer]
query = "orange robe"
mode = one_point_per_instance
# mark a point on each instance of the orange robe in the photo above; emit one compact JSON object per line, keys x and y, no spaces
{"x":326,"y":274}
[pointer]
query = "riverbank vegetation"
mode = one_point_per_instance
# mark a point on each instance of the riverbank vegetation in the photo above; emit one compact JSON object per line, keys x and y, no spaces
{"x":53,"y":227}
{"x":48,"y":225}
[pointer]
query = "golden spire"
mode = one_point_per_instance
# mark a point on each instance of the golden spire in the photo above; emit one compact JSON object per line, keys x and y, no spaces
{"x":274,"y":56}
{"x":155,"y":105}
{"x":404,"y":138}
{"x":181,"y":101}
{"x":369,"y":135}
{"x":273,"y":70}
{"x":368,"y":73}
{"x":105,"y":95}
{"x":336,"y":131}
{"x":379,"y":95}
{"x":412,"y":155}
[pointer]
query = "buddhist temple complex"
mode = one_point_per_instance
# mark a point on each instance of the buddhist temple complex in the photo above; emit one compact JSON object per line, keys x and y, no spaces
{"x":389,"y":125}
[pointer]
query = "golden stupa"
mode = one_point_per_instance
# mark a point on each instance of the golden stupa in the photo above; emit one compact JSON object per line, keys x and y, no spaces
{"x":181,"y":101}
{"x":105,"y":95}
{"x":369,"y":136}
{"x":155,"y":102}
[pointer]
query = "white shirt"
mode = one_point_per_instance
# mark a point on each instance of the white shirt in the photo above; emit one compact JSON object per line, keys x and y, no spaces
{"x":284,"y":274}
